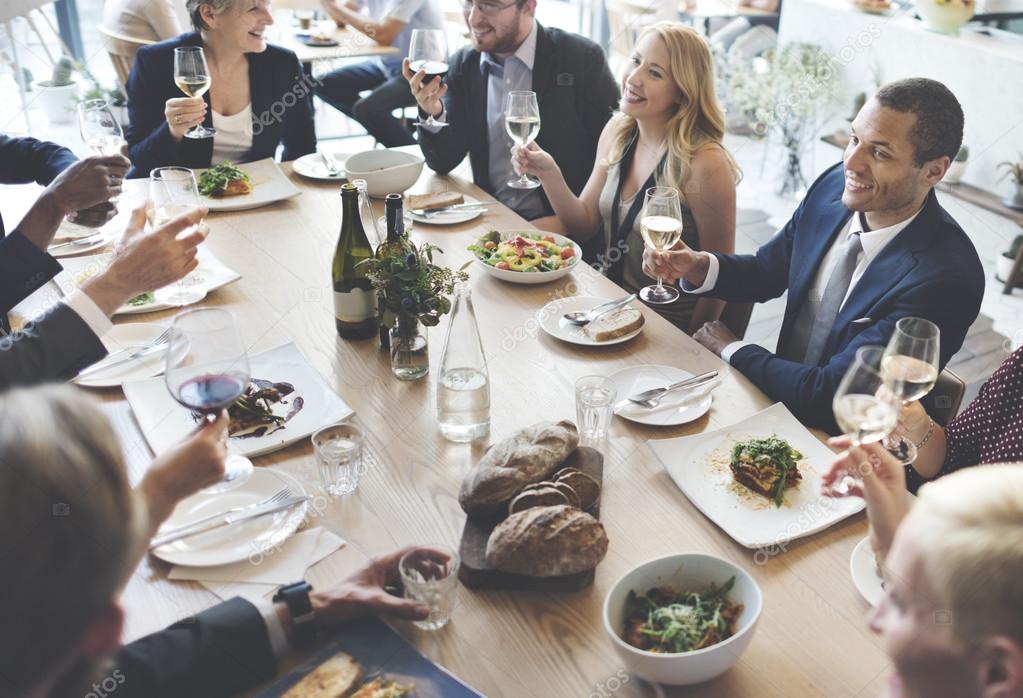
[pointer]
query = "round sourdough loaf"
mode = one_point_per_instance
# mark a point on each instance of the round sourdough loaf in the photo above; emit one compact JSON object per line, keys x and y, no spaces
{"x":547,"y":542}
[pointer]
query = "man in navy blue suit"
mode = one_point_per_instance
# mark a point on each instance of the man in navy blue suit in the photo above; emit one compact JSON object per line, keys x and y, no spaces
{"x":867,"y":246}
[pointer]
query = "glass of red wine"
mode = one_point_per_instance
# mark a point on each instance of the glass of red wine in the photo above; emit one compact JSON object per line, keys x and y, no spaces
{"x":428,"y":51}
{"x":212,"y":377}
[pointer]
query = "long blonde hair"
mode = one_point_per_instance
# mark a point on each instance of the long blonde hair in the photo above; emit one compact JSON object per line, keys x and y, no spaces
{"x":699,"y":120}
{"x":69,"y":527}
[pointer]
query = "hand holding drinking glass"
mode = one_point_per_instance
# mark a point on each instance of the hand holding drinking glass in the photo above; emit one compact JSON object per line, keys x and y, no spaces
{"x":192,"y":76}
{"x":99,"y":127}
{"x":522,"y":120}
{"x":661,"y":227}
{"x":910,"y":370}
{"x":428,"y":53}
{"x":172,"y":192}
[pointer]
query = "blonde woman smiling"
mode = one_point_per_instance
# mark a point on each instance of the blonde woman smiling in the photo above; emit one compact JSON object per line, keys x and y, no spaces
{"x":668,"y":131}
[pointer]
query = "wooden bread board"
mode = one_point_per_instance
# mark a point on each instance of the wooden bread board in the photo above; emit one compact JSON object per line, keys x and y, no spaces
{"x":474,"y":571}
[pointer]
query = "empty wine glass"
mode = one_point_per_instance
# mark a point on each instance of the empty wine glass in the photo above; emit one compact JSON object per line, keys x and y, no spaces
{"x":864,"y":408}
{"x":661,"y":227}
{"x":192,"y":76}
{"x":522,"y":120}
{"x":910,"y":370}
{"x":99,"y":127}
{"x":428,"y":51}
{"x":212,"y":377}
{"x":173,"y":191}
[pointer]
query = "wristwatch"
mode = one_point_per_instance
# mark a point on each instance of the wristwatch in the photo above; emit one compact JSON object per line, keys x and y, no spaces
{"x":296,"y":597}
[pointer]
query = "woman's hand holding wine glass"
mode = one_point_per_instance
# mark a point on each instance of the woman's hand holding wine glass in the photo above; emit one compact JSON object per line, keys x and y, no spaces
{"x":192,"y":76}
{"x":522,"y":121}
{"x":910,"y":370}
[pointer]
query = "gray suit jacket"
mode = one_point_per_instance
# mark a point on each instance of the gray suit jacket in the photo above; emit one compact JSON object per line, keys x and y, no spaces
{"x":56,"y":347}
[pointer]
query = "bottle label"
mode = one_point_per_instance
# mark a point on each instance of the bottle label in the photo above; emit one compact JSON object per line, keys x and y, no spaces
{"x":355,"y":306}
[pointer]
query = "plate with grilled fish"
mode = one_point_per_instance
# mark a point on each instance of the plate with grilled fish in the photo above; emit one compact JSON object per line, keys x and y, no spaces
{"x":231,"y":187}
{"x":758,"y":479}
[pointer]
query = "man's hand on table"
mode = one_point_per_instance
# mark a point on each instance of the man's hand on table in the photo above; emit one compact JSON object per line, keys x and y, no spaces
{"x":715,"y":336}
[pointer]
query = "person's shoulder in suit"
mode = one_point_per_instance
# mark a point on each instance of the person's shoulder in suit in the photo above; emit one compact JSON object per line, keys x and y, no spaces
{"x":275,"y":55}
{"x":463,"y":59}
{"x":570,"y":42}
{"x":165,"y":48}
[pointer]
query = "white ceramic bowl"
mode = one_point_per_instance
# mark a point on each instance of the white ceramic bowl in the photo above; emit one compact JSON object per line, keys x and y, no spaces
{"x":385,"y":171}
{"x":683,"y":571}
{"x":533,"y":277}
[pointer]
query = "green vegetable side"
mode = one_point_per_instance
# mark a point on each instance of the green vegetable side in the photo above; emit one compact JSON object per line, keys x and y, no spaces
{"x":217,"y":178}
{"x":523,"y":252}
{"x":664,"y":620}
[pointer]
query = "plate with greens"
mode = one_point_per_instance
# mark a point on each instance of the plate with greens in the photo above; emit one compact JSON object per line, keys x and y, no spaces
{"x":526,"y":256}
{"x":758,"y":479}
{"x":230,"y":187}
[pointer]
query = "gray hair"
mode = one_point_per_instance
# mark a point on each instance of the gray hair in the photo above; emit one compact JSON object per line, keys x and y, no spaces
{"x":193,"y":8}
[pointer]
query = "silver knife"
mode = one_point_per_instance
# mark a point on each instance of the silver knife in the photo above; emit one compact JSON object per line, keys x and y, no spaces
{"x":141,"y":353}
{"x":452,"y":207}
{"x":228,"y":520}
{"x":330,"y":163}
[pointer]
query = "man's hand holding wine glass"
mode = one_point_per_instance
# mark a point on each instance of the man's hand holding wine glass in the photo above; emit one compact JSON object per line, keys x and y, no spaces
{"x":677,"y":262}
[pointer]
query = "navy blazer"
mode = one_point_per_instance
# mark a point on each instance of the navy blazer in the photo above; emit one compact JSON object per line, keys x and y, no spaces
{"x":282,"y":109}
{"x":930,"y":270}
{"x":24,"y":160}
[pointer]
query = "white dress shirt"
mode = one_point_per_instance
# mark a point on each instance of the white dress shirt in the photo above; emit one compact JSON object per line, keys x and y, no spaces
{"x":873,"y":242}
{"x":90,"y":313}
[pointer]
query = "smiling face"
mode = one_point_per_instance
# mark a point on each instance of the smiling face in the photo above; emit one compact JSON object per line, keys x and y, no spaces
{"x":649,"y":90}
{"x":242,"y":25}
{"x":930,"y":662}
{"x":882,"y":177}
{"x":500,"y":27}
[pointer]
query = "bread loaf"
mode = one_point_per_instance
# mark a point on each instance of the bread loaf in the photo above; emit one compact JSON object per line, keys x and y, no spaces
{"x":437,"y":199}
{"x":547,"y":542}
{"x":527,"y":457}
{"x":615,"y":324}
{"x":587,"y":489}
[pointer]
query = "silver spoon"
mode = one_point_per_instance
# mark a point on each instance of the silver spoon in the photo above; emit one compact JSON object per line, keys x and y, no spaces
{"x":580,"y":317}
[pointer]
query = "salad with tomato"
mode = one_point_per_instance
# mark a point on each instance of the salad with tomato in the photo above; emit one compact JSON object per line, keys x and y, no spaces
{"x":525,"y":252}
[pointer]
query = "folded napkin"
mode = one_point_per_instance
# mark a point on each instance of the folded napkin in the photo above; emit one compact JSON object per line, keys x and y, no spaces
{"x":252,"y":579}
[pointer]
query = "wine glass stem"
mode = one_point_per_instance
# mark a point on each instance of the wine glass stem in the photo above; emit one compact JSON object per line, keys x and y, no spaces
{"x":660,"y":286}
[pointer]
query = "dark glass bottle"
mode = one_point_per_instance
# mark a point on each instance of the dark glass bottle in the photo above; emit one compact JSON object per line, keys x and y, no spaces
{"x":393,"y":246}
{"x":355,"y":306}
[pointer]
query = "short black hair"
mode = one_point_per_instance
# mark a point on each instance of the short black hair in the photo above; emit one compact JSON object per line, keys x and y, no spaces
{"x":939,"y":116}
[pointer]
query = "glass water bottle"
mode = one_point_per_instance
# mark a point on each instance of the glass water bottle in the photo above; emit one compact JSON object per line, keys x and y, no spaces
{"x":463,"y":385}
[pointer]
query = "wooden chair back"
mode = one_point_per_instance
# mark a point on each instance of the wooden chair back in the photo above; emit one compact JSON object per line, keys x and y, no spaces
{"x":122,"y":50}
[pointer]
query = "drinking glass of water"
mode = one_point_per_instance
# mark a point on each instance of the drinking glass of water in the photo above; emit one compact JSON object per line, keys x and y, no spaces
{"x":338,"y":449}
{"x":430,"y":575}
{"x":594,"y":405}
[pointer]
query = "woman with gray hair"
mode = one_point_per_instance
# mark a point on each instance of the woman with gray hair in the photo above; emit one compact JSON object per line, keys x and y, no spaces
{"x":72,"y":531}
{"x":260,"y":97}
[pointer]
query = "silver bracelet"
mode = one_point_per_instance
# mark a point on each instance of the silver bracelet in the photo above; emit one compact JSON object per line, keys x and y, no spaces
{"x":927,"y":437}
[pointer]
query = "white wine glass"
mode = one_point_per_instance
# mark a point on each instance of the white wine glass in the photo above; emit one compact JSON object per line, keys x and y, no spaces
{"x":99,"y":127}
{"x":212,"y":378}
{"x":910,"y":370}
{"x":428,"y":51}
{"x":173,"y":191}
{"x":661,"y":227}
{"x":522,"y":121}
{"x":192,"y":76}
{"x":864,"y":409}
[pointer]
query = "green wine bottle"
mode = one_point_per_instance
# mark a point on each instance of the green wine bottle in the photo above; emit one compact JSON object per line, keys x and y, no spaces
{"x":355,"y":301}
{"x":393,"y":246}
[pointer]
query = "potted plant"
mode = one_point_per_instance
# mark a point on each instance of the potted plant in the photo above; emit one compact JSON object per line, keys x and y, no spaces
{"x":1007,"y":259}
{"x":955,"y":170}
{"x":1014,"y":171}
{"x":114,"y":97}
{"x":413,"y":294}
{"x":59,"y":94}
{"x":945,"y":16}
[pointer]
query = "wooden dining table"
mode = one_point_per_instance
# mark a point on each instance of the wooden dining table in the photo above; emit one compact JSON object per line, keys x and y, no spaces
{"x":812,"y":638}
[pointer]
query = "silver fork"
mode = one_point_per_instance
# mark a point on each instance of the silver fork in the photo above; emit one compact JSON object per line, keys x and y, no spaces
{"x":87,"y":240}
{"x":278,"y":496}
{"x":652,"y":398}
{"x":138,"y":353}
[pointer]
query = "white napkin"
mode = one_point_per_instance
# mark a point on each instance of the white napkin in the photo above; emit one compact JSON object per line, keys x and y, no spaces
{"x":289,"y":564}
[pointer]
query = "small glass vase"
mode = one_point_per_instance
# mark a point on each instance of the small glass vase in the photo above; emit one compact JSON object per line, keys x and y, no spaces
{"x":410,"y":352}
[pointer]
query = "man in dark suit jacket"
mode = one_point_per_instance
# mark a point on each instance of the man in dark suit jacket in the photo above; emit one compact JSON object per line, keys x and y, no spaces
{"x":512,"y":51}
{"x":867,"y":246}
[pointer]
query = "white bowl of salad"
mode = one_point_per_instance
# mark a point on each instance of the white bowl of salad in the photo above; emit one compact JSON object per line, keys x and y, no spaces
{"x":526,"y":256}
{"x":683,"y":618}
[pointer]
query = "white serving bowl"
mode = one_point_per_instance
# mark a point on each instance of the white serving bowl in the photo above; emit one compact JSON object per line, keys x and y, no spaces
{"x":685,"y":572}
{"x":385,"y":171}
{"x":533,"y":277}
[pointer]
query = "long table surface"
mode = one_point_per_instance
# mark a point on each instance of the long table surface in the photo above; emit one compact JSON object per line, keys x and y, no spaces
{"x":812,"y":639}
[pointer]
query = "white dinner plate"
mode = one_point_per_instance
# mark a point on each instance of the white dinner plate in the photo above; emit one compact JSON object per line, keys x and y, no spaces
{"x":450,"y":217}
{"x":233,"y":543}
{"x":676,"y":408}
{"x":699,"y":466}
{"x":269,"y":185}
{"x":552,"y":322}
{"x":72,"y":231}
{"x":165,"y":423}
{"x":312,"y":167}
{"x":864,"y":573}
{"x":210,"y":275}
{"x":120,"y":341}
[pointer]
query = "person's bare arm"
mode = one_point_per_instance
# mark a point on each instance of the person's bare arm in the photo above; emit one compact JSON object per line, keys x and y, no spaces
{"x":384,"y":31}
{"x":711,"y":198}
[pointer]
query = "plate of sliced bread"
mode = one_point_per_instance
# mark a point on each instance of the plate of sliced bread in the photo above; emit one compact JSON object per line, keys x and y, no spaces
{"x":441,"y":200}
{"x":615,"y":327}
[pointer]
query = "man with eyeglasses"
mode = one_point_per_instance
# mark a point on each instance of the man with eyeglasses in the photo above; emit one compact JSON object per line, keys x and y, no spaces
{"x":511,"y":51}
{"x":388,"y":23}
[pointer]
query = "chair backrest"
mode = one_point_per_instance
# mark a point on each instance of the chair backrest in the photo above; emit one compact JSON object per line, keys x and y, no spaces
{"x":122,"y":50}
{"x":736,"y":316}
{"x":625,"y":19}
{"x":942,"y":403}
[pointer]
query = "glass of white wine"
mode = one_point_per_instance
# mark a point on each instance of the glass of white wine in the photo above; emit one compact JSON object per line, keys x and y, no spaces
{"x":99,"y":127}
{"x":864,"y":409}
{"x":522,"y":120}
{"x":192,"y":76}
{"x":428,"y":51}
{"x":661,"y":227}
{"x":173,"y":191}
{"x":910,"y":370}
